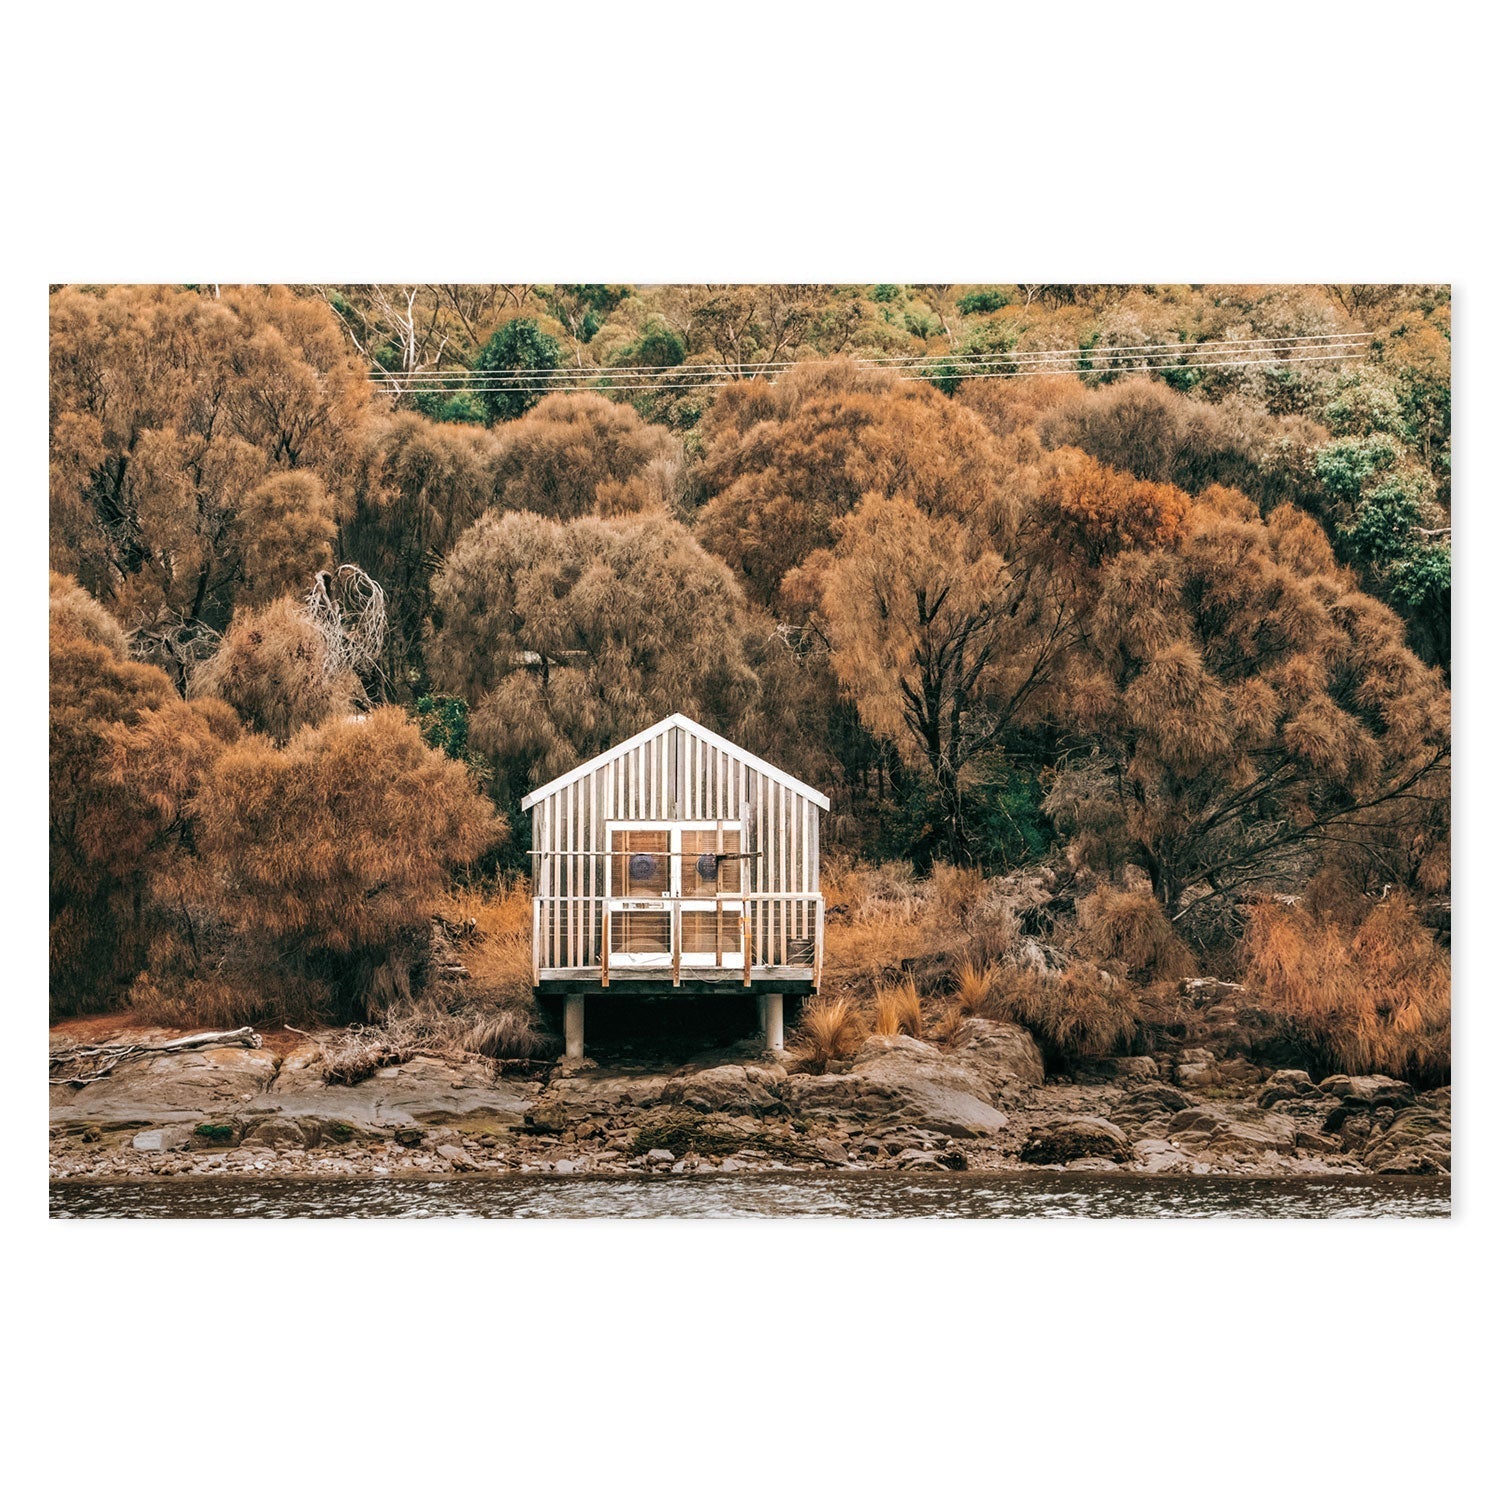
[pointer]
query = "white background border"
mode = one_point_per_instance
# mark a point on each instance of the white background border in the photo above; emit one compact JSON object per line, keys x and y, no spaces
{"x":1279,"y":142}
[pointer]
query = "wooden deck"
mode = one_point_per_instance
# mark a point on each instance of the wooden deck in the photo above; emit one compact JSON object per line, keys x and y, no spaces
{"x":782,"y":979}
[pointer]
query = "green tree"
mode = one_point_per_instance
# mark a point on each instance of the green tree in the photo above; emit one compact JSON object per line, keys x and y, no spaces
{"x":514,"y":350}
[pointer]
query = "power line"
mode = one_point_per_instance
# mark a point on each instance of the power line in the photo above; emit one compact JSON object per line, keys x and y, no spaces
{"x":1291,"y":343}
{"x":461,"y":387}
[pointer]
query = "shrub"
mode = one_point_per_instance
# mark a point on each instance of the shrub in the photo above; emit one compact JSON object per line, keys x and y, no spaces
{"x":1365,"y":994}
{"x":1081,"y":1012}
{"x":1131,"y":928}
{"x":829,"y":1029}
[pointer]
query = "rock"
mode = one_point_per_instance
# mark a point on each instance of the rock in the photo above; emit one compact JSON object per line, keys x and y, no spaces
{"x":571,"y":1100}
{"x":1066,"y":1140}
{"x":1240,"y":1131}
{"x":1141,"y":1068}
{"x":893,"y":1098}
{"x":1238,"y":1070}
{"x":999,"y":1051}
{"x":408,"y":1135}
{"x":1417,"y":1140}
{"x":150,"y":1140}
{"x":953,"y":1160}
{"x":1156,"y":1155}
{"x":426,"y":1089}
{"x":1370,"y":1090}
{"x":168,"y":1087}
{"x":661,"y":1154}
{"x":912,"y":1157}
{"x":278,"y":1132}
{"x":455,"y":1154}
{"x":729,"y":1089}
{"x":1286,"y":1083}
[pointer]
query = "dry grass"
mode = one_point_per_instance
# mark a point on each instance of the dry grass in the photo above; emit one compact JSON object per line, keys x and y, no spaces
{"x":831,"y":1027}
{"x":972,"y":985}
{"x":1369,"y":993}
{"x":897,"y":1011}
{"x":496,"y":949}
{"x":1080,"y":1012}
{"x":1130,"y":928}
{"x":885,"y":925}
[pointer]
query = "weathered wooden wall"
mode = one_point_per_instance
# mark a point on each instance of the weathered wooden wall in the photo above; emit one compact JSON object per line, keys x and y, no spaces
{"x":673,"y":775}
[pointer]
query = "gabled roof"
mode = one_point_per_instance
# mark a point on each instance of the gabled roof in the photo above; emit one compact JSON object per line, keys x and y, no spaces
{"x":677,"y":721}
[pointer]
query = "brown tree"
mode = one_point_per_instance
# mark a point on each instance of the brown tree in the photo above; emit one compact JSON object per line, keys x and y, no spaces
{"x":570,"y":636}
{"x":273,"y":669}
{"x":170,"y":411}
{"x":125,"y":756}
{"x":579,"y":454}
{"x":782,"y":463}
{"x":421,"y":483}
{"x":325,"y":857}
{"x":1249,"y":709}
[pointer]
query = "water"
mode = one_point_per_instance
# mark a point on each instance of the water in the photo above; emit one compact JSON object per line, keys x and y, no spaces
{"x":972,"y":1195}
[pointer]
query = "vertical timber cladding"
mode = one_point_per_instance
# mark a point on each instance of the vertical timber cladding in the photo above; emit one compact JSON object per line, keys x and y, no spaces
{"x":676,"y":771}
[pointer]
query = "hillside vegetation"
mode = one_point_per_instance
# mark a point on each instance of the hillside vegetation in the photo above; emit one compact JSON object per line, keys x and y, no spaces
{"x":1113,"y":677}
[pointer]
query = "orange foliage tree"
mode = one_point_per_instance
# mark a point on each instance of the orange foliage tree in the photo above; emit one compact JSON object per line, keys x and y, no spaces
{"x":567,"y":637}
{"x":1246,"y":706}
{"x":125,"y":757}
{"x":324,"y":857}
{"x":171,"y":411}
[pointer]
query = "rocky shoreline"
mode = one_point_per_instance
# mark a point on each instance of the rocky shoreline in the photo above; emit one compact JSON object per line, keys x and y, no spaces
{"x":982,"y":1103}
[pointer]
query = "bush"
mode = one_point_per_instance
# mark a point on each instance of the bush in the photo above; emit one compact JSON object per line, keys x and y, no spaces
{"x":1368,"y":993}
{"x":1080,"y":1012}
{"x":1130,"y":928}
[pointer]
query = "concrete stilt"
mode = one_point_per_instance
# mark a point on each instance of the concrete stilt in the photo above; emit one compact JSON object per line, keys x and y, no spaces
{"x":573,"y":1025}
{"x":771,"y":1012}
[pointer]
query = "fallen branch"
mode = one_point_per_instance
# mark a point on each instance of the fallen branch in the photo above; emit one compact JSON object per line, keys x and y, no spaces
{"x":111,"y":1054}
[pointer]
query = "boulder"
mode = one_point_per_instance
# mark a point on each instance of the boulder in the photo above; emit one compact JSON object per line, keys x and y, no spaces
{"x":893,"y":1097}
{"x":1286,"y":1083}
{"x":1418,"y":1140}
{"x":279,"y":1132}
{"x":168,"y":1087}
{"x":1237,"y":1131}
{"x":426,"y":1089}
{"x":1196,"y":1068}
{"x":1000,"y":1052}
{"x":728,"y":1089}
{"x":1370,"y":1090}
{"x":574,"y":1099}
{"x":1061,"y":1141}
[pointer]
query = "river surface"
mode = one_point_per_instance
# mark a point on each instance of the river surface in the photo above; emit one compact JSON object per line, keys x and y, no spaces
{"x":971,"y":1195}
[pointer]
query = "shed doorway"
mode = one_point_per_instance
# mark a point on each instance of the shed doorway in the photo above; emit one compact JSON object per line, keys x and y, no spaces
{"x":665,"y":885}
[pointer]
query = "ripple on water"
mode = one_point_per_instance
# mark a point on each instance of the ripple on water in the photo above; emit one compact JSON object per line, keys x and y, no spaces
{"x":865,"y":1195}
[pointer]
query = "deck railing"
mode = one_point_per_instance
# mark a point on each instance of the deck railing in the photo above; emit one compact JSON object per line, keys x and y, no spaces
{"x":752,"y":930}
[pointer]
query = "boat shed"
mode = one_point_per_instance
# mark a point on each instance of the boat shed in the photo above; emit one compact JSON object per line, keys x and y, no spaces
{"x":675,"y":860}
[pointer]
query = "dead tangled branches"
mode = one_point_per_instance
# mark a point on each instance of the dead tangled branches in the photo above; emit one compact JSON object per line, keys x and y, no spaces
{"x":104,"y":1059}
{"x":348,"y":608}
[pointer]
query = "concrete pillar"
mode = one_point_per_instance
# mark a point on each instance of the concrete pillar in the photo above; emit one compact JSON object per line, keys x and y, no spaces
{"x":573,"y":1025}
{"x":771,"y":1012}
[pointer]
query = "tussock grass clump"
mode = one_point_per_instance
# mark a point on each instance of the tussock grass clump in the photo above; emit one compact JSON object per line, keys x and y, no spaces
{"x":897,"y":1011}
{"x":1080,"y":1012}
{"x":1371,"y":993}
{"x":830,"y":1028}
{"x":1130,"y":928}
{"x":971,"y":986}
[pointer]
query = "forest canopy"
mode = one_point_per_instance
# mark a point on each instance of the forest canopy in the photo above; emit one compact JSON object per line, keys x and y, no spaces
{"x":340,"y":572}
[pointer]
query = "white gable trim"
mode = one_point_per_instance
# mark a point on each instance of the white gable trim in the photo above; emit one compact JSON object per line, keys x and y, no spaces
{"x":679,"y":721}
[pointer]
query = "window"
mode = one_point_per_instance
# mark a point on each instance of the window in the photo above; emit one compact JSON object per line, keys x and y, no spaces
{"x":666,"y":877}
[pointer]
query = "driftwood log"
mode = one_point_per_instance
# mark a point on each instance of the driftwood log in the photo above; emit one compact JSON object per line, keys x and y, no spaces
{"x":105,"y":1058}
